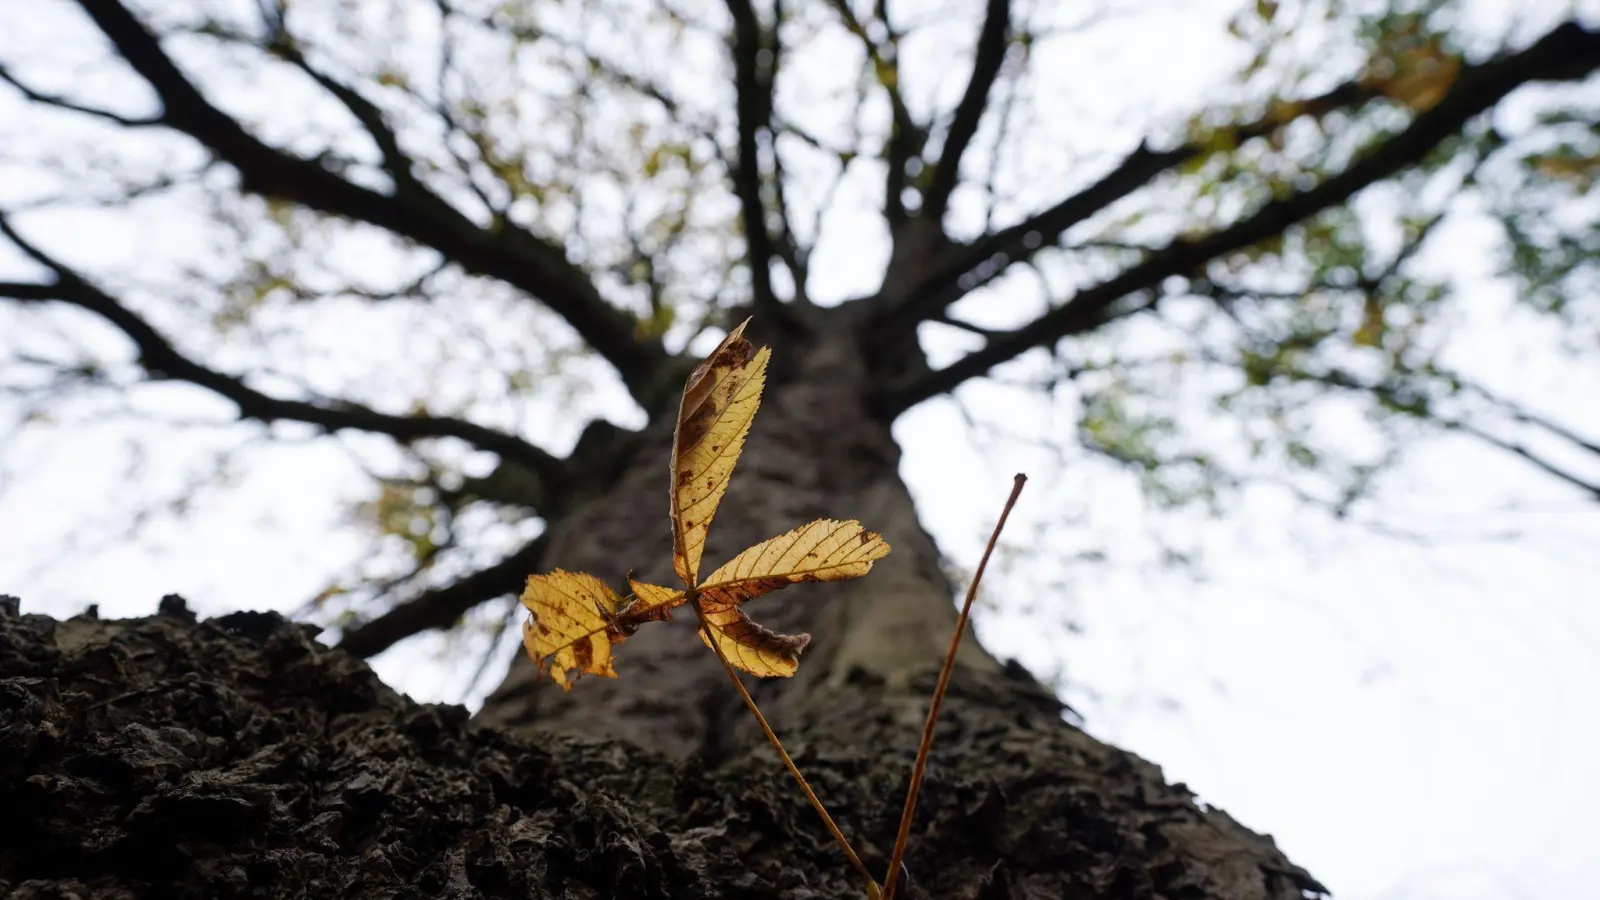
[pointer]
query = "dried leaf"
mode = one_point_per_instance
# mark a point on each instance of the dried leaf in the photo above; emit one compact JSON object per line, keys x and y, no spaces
{"x":719,"y":402}
{"x":823,"y":550}
{"x":576,"y":617}
{"x":573,"y":624}
{"x":747,"y":645}
{"x":655,"y":595}
{"x":649,"y":607}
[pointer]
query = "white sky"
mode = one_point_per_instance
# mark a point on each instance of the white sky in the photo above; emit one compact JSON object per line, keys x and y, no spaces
{"x":1406,"y":718}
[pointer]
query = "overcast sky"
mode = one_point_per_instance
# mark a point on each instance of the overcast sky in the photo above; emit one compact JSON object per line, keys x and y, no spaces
{"x":1403,"y":712}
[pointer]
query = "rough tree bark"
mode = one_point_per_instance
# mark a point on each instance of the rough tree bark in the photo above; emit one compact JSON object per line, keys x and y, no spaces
{"x":237,"y":757}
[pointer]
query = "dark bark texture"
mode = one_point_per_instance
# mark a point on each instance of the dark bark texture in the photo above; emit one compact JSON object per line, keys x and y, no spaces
{"x":237,"y":757}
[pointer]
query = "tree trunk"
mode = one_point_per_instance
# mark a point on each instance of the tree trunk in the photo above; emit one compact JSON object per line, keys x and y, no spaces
{"x":240,"y":758}
{"x":1005,"y":759}
{"x":814,"y":451}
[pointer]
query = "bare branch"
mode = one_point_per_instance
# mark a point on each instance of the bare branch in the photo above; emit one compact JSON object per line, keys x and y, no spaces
{"x":440,"y":107}
{"x":1517,"y":448}
{"x":986,"y":62}
{"x":372,"y":119}
{"x":982,"y":261}
{"x":753,"y":79}
{"x":510,"y":254}
{"x":1525,"y":416}
{"x":1397,"y":398}
{"x":441,"y":607}
{"x":1003,"y":131}
{"x":27,"y":292}
{"x":1568,"y":52}
{"x":906,"y":137}
{"x":162,"y":360}
{"x":62,"y":103}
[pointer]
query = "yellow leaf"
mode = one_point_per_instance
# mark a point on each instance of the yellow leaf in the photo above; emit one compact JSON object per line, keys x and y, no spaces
{"x":824,"y":550}
{"x":656,"y":596}
{"x":747,"y":645}
{"x":719,"y":402}
{"x":576,"y":617}
{"x":655,"y":604}
{"x":572,"y":627}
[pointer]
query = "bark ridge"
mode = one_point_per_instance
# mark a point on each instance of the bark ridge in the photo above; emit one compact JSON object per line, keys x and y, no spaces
{"x":237,"y":757}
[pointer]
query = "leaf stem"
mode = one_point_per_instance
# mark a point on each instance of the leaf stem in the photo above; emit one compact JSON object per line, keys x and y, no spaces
{"x":873,"y":891}
{"x":921,"y":765}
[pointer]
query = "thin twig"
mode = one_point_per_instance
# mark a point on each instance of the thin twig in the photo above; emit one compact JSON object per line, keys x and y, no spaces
{"x":873,"y":891}
{"x":920,"y":768}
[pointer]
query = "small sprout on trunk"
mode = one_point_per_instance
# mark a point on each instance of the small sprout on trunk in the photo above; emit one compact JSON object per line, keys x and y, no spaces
{"x":575,"y":618}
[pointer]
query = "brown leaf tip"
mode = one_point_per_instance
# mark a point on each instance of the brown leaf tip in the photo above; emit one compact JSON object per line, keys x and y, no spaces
{"x":733,"y":353}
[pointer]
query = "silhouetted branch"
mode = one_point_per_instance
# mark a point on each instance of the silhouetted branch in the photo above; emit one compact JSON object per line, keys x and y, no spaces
{"x":1592,"y":488}
{"x":1570,"y":51}
{"x":1525,"y":416}
{"x":372,"y":119}
{"x":25,"y":291}
{"x":906,"y":138}
{"x":1395,"y":397}
{"x":968,"y":268}
{"x":162,"y":360}
{"x":753,"y":83}
{"x":1409,"y":402}
{"x":69,"y":106}
{"x":510,"y":254}
{"x":987,"y":59}
{"x":441,"y":607}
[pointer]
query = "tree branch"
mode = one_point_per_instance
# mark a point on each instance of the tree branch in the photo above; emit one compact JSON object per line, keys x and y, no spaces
{"x":510,"y":254}
{"x":1517,"y":448}
{"x":1525,"y":416}
{"x":1390,"y":394}
{"x":987,"y":258}
{"x":986,"y":62}
{"x":162,"y":360}
{"x":441,"y":607}
{"x":395,"y":161}
{"x":68,"y":105}
{"x":1568,"y":52}
{"x":753,"y":107}
{"x":906,"y":138}
{"x":28,"y":292}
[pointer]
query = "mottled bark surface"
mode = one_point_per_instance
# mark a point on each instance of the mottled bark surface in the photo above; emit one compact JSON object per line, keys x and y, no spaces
{"x":239,"y":758}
